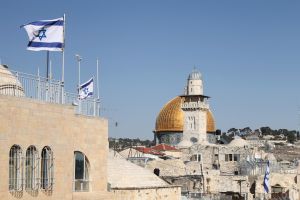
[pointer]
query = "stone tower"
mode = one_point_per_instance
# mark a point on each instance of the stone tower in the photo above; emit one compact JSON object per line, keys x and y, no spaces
{"x":194,"y":105}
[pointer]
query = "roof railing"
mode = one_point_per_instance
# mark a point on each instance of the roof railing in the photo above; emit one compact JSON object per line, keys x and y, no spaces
{"x":46,"y":90}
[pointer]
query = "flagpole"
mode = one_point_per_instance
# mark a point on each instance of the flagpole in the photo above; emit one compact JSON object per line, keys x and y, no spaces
{"x":47,"y":65}
{"x":98,"y":93}
{"x":63,"y":62}
{"x":78,"y":57}
{"x":50,"y":70}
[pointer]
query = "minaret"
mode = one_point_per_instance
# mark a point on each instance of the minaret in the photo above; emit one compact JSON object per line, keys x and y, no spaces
{"x":194,"y":105}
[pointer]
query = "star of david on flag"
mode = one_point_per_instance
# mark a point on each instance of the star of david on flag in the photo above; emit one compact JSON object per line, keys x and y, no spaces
{"x":267,"y":178}
{"x":45,"y":35}
{"x":86,"y":89}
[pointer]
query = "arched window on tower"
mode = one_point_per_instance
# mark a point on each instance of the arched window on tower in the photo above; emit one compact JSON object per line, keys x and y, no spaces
{"x":47,"y":174}
{"x":31,"y":169}
{"x":81,"y":172}
{"x":15,"y":168}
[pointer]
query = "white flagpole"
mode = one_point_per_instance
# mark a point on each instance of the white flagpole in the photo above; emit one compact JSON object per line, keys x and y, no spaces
{"x":49,"y":81}
{"x":47,"y":65}
{"x":39,"y":83}
{"x":63,"y":63}
{"x":98,"y":93}
{"x":78,"y":57}
{"x":50,"y":70}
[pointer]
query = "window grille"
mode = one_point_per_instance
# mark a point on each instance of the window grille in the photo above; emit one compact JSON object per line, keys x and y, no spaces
{"x":15,"y":168}
{"x":81,"y":172}
{"x":47,"y":167}
{"x":236,"y":157}
{"x":31,"y":169}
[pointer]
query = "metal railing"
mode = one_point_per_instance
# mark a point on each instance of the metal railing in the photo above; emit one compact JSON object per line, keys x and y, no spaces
{"x":46,"y":90}
{"x":259,"y":168}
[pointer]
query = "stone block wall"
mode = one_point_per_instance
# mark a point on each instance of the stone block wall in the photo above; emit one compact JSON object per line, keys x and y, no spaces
{"x":27,"y":122}
{"x":165,"y":193}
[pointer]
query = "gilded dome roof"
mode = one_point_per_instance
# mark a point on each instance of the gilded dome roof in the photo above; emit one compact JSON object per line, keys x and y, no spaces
{"x":170,"y":118}
{"x":210,"y":122}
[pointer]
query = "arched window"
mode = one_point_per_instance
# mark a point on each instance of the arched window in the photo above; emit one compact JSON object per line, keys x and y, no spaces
{"x":81,"y":172}
{"x":47,"y":176}
{"x":31,"y":168}
{"x":15,"y":168}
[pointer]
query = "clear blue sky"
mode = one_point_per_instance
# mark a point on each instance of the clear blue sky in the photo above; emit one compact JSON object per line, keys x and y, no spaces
{"x":247,"y":51}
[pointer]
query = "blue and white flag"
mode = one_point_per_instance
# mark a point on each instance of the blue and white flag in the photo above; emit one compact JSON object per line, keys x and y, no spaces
{"x":86,"y":89}
{"x":267,"y":178}
{"x":45,"y":35}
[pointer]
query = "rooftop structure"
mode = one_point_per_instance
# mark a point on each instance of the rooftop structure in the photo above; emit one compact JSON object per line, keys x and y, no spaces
{"x":186,"y":119}
{"x":44,"y":89}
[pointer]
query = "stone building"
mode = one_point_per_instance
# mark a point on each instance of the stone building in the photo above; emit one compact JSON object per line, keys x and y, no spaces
{"x":48,"y":151}
{"x":208,"y":169}
{"x":186,"y":119}
{"x":128,"y":181}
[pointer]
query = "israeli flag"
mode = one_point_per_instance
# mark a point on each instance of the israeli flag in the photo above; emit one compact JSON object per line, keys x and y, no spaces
{"x":267,"y":178}
{"x":86,"y":89}
{"x":45,"y":35}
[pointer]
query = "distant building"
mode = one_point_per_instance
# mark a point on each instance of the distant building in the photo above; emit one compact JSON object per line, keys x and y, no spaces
{"x":132,"y":182}
{"x":207,"y":169}
{"x":186,"y":119}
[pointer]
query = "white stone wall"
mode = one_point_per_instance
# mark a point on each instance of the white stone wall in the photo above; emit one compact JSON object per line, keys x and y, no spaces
{"x":287,"y":181}
{"x":195,"y":87}
{"x":27,"y":122}
{"x":168,"y":193}
{"x":195,"y":125}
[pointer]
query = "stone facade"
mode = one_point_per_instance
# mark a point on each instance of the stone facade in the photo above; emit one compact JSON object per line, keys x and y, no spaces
{"x":131,"y":182}
{"x":26,"y":122}
{"x":160,"y":193}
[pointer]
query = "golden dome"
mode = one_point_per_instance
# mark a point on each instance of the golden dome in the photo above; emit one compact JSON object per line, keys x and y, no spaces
{"x":210,"y":122}
{"x":170,"y":118}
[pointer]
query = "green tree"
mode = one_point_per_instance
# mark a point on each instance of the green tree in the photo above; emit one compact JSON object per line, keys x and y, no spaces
{"x":291,"y":137}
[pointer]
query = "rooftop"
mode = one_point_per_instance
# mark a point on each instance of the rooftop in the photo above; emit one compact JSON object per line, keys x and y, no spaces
{"x":43,"y":89}
{"x":124,"y":174}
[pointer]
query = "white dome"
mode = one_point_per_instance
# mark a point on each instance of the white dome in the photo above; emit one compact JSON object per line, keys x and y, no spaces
{"x":238,"y":142}
{"x":9,"y":84}
{"x":195,"y":75}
